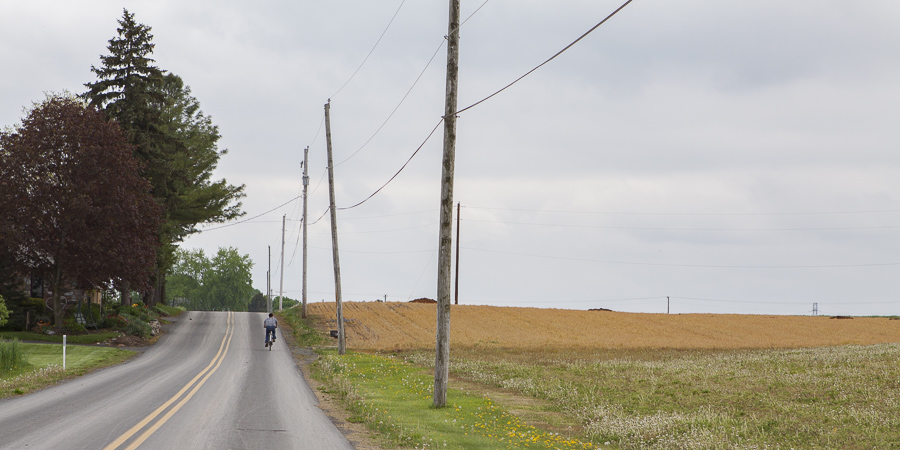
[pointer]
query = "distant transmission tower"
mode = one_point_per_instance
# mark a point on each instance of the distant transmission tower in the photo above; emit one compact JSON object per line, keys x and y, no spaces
{"x":815,"y":309}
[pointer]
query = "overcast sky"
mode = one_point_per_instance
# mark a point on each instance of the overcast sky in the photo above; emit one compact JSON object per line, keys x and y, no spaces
{"x":737,"y":157}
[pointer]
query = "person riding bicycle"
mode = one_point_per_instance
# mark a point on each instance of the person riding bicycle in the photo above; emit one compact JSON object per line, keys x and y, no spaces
{"x":271,"y":323}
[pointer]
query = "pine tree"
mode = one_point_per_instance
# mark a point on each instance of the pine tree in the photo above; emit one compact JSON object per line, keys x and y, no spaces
{"x":173,"y":137}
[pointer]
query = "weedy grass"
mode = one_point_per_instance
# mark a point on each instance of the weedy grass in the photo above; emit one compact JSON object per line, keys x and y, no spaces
{"x":12,"y":355}
{"x":637,"y":381}
{"x":43,"y":365}
{"x":395,"y":399}
{"x":304,"y":332}
{"x":831,"y":397}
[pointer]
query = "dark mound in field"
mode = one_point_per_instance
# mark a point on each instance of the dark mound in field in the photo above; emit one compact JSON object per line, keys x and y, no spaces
{"x":423,"y":300}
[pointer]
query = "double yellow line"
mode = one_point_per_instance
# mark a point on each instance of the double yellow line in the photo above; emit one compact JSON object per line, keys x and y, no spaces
{"x":193,"y":386}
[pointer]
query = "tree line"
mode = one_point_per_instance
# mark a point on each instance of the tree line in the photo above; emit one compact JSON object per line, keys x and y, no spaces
{"x":97,"y":189}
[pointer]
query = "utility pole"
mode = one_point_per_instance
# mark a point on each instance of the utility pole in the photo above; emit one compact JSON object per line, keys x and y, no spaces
{"x":281,"y":283}
{"x":342,"y":345}
{"x":442,"y":347}
{"x":456,"y":280}
{"x":269,"y":283}
{"x":667,"y":304}
{"x":305,"y":186}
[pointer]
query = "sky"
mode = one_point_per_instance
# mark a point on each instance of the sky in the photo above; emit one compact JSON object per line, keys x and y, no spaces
{"x":685,"y":157}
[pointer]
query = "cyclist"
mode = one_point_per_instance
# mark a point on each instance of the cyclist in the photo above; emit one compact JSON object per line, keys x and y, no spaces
{"x":271,"y":323}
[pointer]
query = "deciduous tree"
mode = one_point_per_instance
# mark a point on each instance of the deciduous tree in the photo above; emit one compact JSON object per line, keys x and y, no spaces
{"x":75,"y":208}
{"x":222,"y":282}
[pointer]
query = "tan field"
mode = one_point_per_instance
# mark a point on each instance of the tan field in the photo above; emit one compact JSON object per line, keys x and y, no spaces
{"x":406,"y":326}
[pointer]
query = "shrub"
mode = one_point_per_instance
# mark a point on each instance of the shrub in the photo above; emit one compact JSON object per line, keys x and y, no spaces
{"x":138,"y":328}
{"x":42,"y":326}
{"x":114,"y":322}
{"x":12,"y":355}
{"x":4,"y":313}
{"x":70,"y":326}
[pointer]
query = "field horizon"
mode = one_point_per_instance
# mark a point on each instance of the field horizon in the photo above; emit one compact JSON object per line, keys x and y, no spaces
{"x":390,"y":326}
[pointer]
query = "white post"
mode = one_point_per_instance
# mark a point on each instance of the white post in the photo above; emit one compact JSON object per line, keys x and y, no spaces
{"x":64,"y":352}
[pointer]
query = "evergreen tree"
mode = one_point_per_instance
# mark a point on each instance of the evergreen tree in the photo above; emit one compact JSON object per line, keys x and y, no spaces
{"x":173,"y":137}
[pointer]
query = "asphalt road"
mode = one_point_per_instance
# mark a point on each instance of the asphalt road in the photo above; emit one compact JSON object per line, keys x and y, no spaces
{"x":209,"y":383}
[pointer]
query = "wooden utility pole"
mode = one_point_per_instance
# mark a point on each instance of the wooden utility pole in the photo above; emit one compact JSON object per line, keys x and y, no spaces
{"x":269,"y":283}
{"x":342,"y":346}
{"x":281,"y":283}
{"x":456,"y":275}
{"x":445,"y":250}
{"x":305,"y":186}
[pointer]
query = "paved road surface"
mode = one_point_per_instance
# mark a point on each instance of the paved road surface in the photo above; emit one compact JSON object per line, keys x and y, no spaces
{"x":209,"y":383}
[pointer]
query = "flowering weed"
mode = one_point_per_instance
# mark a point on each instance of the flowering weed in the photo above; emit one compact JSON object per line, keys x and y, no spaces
{"x":395,"y":398}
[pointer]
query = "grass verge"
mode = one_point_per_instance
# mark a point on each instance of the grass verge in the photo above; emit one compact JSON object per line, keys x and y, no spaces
{"x":394,"y":398}
{"x":44,"y":366}
{"x":628,"y":398}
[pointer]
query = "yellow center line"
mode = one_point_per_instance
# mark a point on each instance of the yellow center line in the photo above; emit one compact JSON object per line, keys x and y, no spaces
{"x":220,"y":355}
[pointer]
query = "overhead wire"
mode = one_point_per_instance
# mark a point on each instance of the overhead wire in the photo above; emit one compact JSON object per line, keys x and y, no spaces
{"x":548,"y":60}
{"x":370,"y":51}
{"x":421,"y":73}
{"x":702,"y":266}
{"x":484,"y":99}
{"x":251,"y":218}
{"x":401,"y":168}
{"x":687,"y":214}
{"x":612,"y":227}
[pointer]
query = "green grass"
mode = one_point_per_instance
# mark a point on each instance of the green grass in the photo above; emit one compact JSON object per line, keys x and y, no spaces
{"x":395,"y":399}
{"x":44,"y":365}
{"x":304,"y":333}
{"x":170,"y":310}
{"x":90,"y":338}
{"x":832,"y":397}
{"x":828,"y":397}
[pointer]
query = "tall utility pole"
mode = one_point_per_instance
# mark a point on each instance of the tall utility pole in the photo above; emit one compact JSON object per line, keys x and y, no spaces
{"x":342,"y":345}
{"x":305,"y":185}
{"x":281,"y":283}
{"x":445,"y":250}
{"x":269,"y":283}
{"x":456,"y":276}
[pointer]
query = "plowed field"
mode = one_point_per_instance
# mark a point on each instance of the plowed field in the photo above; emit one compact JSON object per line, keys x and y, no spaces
{"x":405,"y":326}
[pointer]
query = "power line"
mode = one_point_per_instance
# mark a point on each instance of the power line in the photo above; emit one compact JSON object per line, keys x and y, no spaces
{"x":421,"y":73}
{"x":251,"y":218}
{"x":398,"y":172}
{"x":370,"y":51}
{"x":610,"y":227}
{"x":548,"y":60}
{"x":395,"y":108}
{"x":700,"y":266}
{"x":620,"y":213}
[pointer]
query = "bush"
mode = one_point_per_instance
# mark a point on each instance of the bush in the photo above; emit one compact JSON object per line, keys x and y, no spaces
{"x":4,"y":313}
{"x":12,"y":355}
{"x":114,"y":322}
{"x":70,"y":326}
{"x":138,"y":328}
